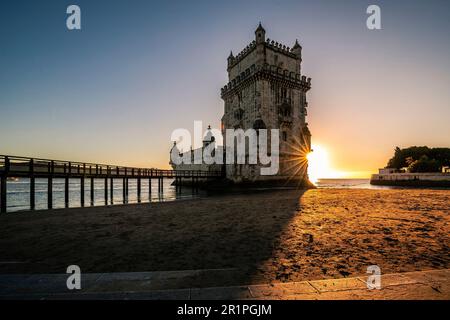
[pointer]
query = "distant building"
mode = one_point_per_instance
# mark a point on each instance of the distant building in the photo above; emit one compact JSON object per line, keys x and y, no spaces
{"x":391,"y":170}
{"x":402,"y":177}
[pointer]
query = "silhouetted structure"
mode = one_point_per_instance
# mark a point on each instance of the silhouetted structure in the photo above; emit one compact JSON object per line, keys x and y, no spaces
{"x":32,"y":168}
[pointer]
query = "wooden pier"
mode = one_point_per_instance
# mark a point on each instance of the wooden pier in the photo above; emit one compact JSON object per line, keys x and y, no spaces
{"x":33,"y":168}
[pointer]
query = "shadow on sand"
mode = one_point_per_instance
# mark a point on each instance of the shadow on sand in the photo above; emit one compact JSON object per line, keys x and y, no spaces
{"x":225,"y":238}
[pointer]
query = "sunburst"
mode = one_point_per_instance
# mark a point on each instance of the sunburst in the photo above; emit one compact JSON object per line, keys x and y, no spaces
{"x":296,"y":161}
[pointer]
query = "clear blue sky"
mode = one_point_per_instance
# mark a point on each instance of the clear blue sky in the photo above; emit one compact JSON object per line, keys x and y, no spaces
{"x":114,"y":91}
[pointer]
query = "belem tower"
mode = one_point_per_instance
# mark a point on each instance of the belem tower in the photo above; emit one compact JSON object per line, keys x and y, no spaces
{"x":265,"y":90}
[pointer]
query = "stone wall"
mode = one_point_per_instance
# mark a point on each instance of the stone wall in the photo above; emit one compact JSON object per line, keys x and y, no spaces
{"x":412,"y":179}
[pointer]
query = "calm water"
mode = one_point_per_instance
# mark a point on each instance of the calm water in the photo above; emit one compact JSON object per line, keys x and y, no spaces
{"x":348,"y":183}
{"x":18,"y":196}
{"x":362,"y":184}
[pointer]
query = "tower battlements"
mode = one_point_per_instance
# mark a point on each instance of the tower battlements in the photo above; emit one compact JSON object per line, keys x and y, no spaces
{"x":269,"y":44}
{"x":263,"y":51}
{"x":254,"y":72}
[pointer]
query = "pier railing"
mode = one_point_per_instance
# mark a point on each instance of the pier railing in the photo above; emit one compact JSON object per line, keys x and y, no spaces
{"x":32,"y":168}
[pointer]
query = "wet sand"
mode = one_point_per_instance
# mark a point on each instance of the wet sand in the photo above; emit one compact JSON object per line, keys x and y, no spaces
{"x":266,"y":237}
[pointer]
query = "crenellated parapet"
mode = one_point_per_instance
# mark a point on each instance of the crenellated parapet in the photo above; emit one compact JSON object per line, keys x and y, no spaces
{"x":234,"y":60}
{"x":279,"y":47}
{"x":270,"y":72}
{"x":271,"y":44}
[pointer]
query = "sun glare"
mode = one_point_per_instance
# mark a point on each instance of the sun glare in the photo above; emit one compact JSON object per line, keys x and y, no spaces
{"x":319,"y":165}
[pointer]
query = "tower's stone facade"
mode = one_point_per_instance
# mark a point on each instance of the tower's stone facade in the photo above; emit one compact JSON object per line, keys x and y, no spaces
{"x":267,"y":90}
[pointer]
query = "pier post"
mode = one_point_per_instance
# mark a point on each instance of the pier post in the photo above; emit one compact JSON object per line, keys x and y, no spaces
{"x":150,"y":190}
{"x":4,"y":186}
{"x":32,"y":194}
{"x":106,"y":191}
{"x":50,"y":186}
{"x":82,"y":185}
{"x":67,"y":171}
{"x":126,"y":188}
{"x":139,"y":189}
{"x":50,"y":193}
{"x":111,"y":190}
{"x":92,"y":191}
{"x":82,"y":191}
{"x":32,"y":186}
{"x":124,"y":191}
{"x":178,"y":184}
{"x":66,"y":192}
{"x":3,"y":194}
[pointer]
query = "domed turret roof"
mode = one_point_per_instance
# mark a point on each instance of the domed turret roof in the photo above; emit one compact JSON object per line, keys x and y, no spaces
{"x":260,"y":28}
{"x":208,"y":136}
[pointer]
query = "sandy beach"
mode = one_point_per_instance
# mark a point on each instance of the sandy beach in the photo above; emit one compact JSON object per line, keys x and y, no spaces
{"x":265,"y":237}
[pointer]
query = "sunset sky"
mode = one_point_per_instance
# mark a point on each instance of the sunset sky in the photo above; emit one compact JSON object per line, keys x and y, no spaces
{"x":114,"y":91}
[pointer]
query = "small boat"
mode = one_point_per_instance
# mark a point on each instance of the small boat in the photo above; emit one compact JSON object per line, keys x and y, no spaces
{"x":12,"y":179}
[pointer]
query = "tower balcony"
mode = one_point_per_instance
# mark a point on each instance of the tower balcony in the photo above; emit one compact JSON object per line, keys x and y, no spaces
{"x":266,"y":71}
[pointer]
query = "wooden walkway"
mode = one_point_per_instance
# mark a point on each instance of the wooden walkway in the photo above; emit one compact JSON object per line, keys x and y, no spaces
{"x":32,"y":168}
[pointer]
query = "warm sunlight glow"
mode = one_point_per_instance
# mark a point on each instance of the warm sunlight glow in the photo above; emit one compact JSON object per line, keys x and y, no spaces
{"x":319,"y":165}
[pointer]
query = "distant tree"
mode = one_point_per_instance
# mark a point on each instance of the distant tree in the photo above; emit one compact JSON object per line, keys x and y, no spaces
{"x":424,"y":164}
{"x":396,"y":160}
{"x":413,"y":158}
{"x":409,"y":161}
{"x":441,"y":154}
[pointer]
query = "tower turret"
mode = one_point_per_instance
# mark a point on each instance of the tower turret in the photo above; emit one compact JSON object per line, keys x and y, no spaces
{"x":230,"y":59}
{"x":209,"y":138}
{"x":297,"y":49}
{"x":260,"y":34}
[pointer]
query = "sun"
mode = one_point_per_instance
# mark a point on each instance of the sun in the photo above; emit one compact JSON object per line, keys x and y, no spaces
{"x":319,"y":165}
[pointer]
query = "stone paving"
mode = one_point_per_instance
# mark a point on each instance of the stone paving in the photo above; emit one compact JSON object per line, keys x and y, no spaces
{"x":432,"y":284}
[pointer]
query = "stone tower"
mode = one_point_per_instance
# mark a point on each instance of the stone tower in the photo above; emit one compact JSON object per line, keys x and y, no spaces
{"x":265,"y":89}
